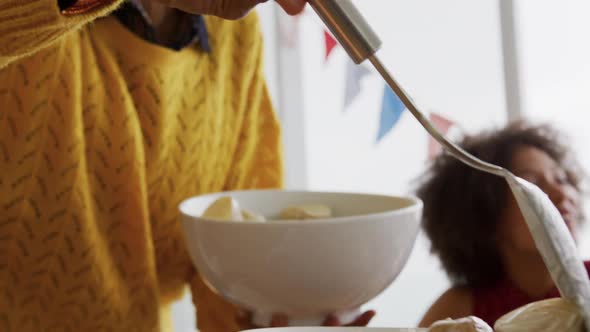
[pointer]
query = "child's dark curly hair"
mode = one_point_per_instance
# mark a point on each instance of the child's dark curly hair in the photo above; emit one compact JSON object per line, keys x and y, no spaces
{"x":463,"y":206}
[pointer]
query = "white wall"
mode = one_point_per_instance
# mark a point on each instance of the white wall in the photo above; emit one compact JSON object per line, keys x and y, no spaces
{"x":447,"y":54}
{"x":555,"y":65}
{"x":554,"y":57}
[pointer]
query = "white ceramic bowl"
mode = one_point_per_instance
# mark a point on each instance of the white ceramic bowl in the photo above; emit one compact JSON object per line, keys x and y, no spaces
{"x":304,"y":269}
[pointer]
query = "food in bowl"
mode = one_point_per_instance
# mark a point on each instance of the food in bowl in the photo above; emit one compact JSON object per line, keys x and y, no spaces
{"x":252,"y":216}
{"x":307,"y":211}
{"x":306,"y":270}
{"x":554,"y":315}
{"x":467,"y":324}
{"x":226,"y":208}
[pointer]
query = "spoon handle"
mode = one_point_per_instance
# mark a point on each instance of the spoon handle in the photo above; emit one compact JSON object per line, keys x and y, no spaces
{"x":361,"y":43}
{"x":349,"y":27}
{"x":452,"y":148}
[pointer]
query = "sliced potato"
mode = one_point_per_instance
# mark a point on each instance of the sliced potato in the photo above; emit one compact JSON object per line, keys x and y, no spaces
{"x":224,"y":208}
{"x":467,"y":324}
{"x":554,"y":315}
{"x":252,"y":216}
{"x":310,"y":211}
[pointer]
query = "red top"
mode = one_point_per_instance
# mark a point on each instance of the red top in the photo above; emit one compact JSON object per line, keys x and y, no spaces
{"x":491,"y":303}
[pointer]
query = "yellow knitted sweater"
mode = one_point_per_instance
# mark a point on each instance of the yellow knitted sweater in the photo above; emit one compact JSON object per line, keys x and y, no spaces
{"x":101,"y":136}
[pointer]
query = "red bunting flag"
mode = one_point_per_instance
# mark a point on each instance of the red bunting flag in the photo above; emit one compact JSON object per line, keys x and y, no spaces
{"x":443,"y":125}
{"x":331,"y":43}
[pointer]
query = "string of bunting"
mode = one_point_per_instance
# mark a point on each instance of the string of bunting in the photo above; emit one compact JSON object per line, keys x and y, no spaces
{"x":444,"y":125}
{"x":392,"y":108}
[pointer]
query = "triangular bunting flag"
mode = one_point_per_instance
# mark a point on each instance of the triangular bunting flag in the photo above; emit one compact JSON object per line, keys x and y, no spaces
{"x":391,"y":111}
{"x":443,"y":125}
{"x":354,"y":75}
{"x":330,"y":42}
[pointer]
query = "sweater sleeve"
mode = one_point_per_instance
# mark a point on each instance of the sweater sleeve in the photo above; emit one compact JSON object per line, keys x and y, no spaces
{"x":258,"y":160}
{"x":257,"y":164}
{"x":26,"y":26}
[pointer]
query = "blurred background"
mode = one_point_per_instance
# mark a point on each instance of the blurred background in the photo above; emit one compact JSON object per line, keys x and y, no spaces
{"x":475,"y":64}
